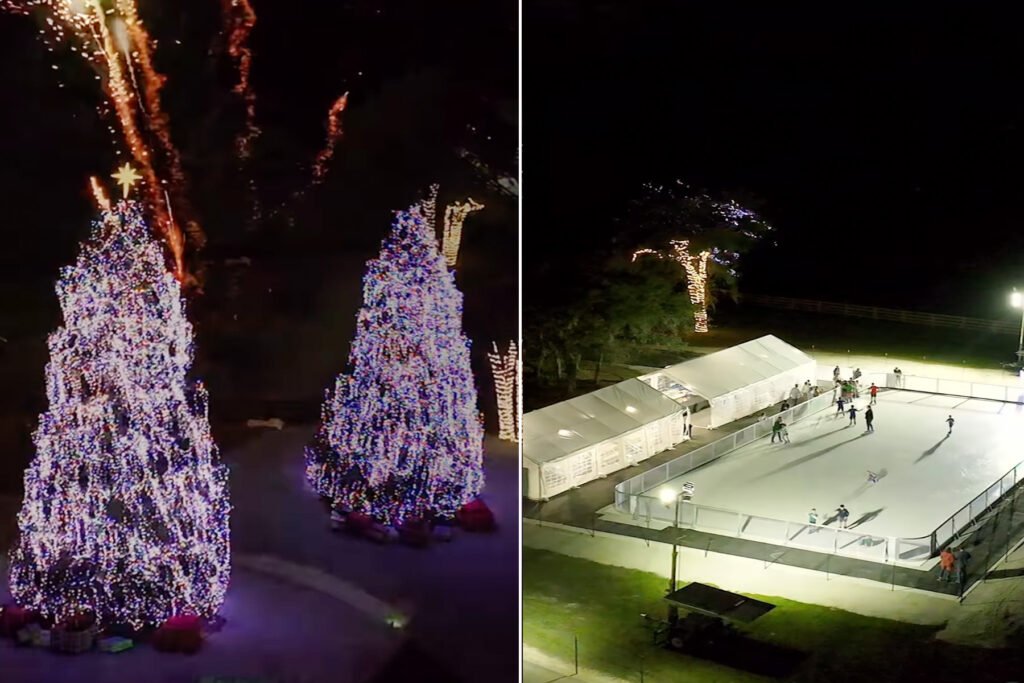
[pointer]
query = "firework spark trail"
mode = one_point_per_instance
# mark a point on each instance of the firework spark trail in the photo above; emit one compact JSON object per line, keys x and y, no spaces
{"x":333,"y":134}
{"x":122,"y":98}
{"x":239,"y":19}
{"x":99,"y":194}
{"x":87,"y":21}
{"x":158,"y":120}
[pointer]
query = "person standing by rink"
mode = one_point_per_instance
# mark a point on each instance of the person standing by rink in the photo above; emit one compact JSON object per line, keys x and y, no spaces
{"x":874,"y":394}
{"x":812,"y":519}
{"x":950,"y":421}
{"x":899,"y":376}
{"x":777,"y":429}
{"x":946,"y":563}
{"x":962,"y":557}
{"x":853,"y":414}
{"x":869,"y":417}
{"x":844,"y":515}
{"x":794,"y":394}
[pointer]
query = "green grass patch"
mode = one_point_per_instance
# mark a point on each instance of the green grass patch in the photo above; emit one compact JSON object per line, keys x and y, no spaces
{"x":600,"y":605}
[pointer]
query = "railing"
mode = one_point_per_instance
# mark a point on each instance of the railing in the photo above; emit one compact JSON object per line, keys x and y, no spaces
{"x":824,"y":539}
{"x":890,"y":314}
{"x":712,"y":451}
{"x":631,"y":495}
{"x":969,"y":514}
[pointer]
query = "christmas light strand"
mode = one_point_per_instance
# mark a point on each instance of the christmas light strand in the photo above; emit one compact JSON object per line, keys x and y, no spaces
{"x":400,"y":435}
{"x":505,"y":368}
{"x":126,"y":508}
{"x":696,"y":268}
{"x":454,"y":216}
{"x":430,"y":208}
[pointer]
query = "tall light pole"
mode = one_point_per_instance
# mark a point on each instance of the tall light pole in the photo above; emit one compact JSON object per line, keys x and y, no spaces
{"x":1017,"y":301}
{"x":667,"y":496}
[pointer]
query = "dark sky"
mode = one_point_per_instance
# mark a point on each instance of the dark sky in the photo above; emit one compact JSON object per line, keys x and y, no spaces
{"x":419,"y":74}
{"x":886,"y":146}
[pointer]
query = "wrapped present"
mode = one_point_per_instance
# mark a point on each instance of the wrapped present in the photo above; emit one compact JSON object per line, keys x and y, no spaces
{"x":415,"y":532}
{"x":476,"y":516}
{"x":182,"y":633}
{"x":13,"y":618}
{"x":380,"y":533}
{"x":358,"y":522}
{"x":26,"y":634}
{"x":41,"y":638}
{"x":72,"y":642}
{"x":114,"y":644}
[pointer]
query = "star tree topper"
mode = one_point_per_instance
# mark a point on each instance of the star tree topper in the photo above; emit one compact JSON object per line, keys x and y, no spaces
{"x":126,"y":177}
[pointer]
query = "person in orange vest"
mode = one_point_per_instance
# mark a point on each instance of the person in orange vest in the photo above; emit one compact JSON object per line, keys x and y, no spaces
{"x":874,"y":393}
{"x":946,"y":561}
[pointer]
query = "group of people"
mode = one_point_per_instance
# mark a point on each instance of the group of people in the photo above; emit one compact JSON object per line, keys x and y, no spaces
{"x":804,"y":393}
{"x":842,"y":516}
{"x":953,"y":563}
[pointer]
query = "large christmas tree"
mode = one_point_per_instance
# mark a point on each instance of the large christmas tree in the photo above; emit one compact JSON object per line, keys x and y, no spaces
{"x":126,"y":505}
{"x":401,"y":437}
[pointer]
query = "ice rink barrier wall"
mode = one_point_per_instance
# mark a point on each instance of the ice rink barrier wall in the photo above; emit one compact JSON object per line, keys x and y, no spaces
{"x":638,"y":496}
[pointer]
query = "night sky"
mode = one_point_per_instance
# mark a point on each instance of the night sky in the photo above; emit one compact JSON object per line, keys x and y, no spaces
{"x":419,"y":77}
{"x":885,"y":146}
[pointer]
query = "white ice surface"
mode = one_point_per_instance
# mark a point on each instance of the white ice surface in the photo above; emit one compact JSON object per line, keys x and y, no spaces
{"x":925,"y":476}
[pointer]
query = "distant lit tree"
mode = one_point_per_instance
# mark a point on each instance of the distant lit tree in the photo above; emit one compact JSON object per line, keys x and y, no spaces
{"x":704,"y":235}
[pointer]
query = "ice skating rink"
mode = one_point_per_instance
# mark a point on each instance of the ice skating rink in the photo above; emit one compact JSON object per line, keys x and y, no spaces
{"x":925,"y":476}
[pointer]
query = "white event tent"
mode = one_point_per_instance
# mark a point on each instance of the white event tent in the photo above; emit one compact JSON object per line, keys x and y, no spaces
{"x":590,"y":436}
{"x":738,"y":381}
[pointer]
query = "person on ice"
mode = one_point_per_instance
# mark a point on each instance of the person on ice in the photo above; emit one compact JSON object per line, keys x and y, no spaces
{"x":874,"y":394}
{"x":872,"y":477}
{"x":950,"y":421}
{"x":777,"y":429}
{"x":869,"y":417}
{"x":856,"y":374}
{"x":812,"y":519}
{"x":784,"y":434}
{"x":844,"y":515}
{"x":839,"y":406}
{"x":853,"y":414}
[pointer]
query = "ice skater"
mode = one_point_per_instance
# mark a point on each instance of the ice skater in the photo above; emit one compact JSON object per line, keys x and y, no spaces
{"x":844,"y":516}
{"x":872,"y":477}
{"x":784,"y":433}
{"x":950,"y":421}
{"x":777,"y":429}
{"x":812,"y":519}
{"x":869,"y":418}
{"x":853,"y":414}
{"x":839,"y":406}
{"x":874,"y":394}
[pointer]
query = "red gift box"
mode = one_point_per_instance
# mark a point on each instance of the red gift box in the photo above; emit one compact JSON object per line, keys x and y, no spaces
{"x":13,"y":618}
{"x":475,"y":516}
{"x":182,"y":633}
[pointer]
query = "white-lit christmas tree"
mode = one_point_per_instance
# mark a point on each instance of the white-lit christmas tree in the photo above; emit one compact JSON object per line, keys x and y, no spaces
{"x":126,"y":503}
{"x":401,"y":437}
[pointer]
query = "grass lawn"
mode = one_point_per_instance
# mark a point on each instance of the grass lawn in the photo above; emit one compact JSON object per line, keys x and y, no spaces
{"x":601,"y":605}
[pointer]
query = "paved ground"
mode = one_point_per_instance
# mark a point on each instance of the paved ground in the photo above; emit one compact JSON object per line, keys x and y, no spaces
{"x":305,"y":605}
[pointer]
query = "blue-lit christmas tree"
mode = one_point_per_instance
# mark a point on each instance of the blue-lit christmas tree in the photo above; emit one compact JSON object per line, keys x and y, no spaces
{"x":401,"y":438}
{"x":126,"y":503}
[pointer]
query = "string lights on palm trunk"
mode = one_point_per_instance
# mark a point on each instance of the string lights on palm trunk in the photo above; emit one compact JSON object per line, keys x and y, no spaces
{"x":454,"y":216}
{"x":507,"y":370}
